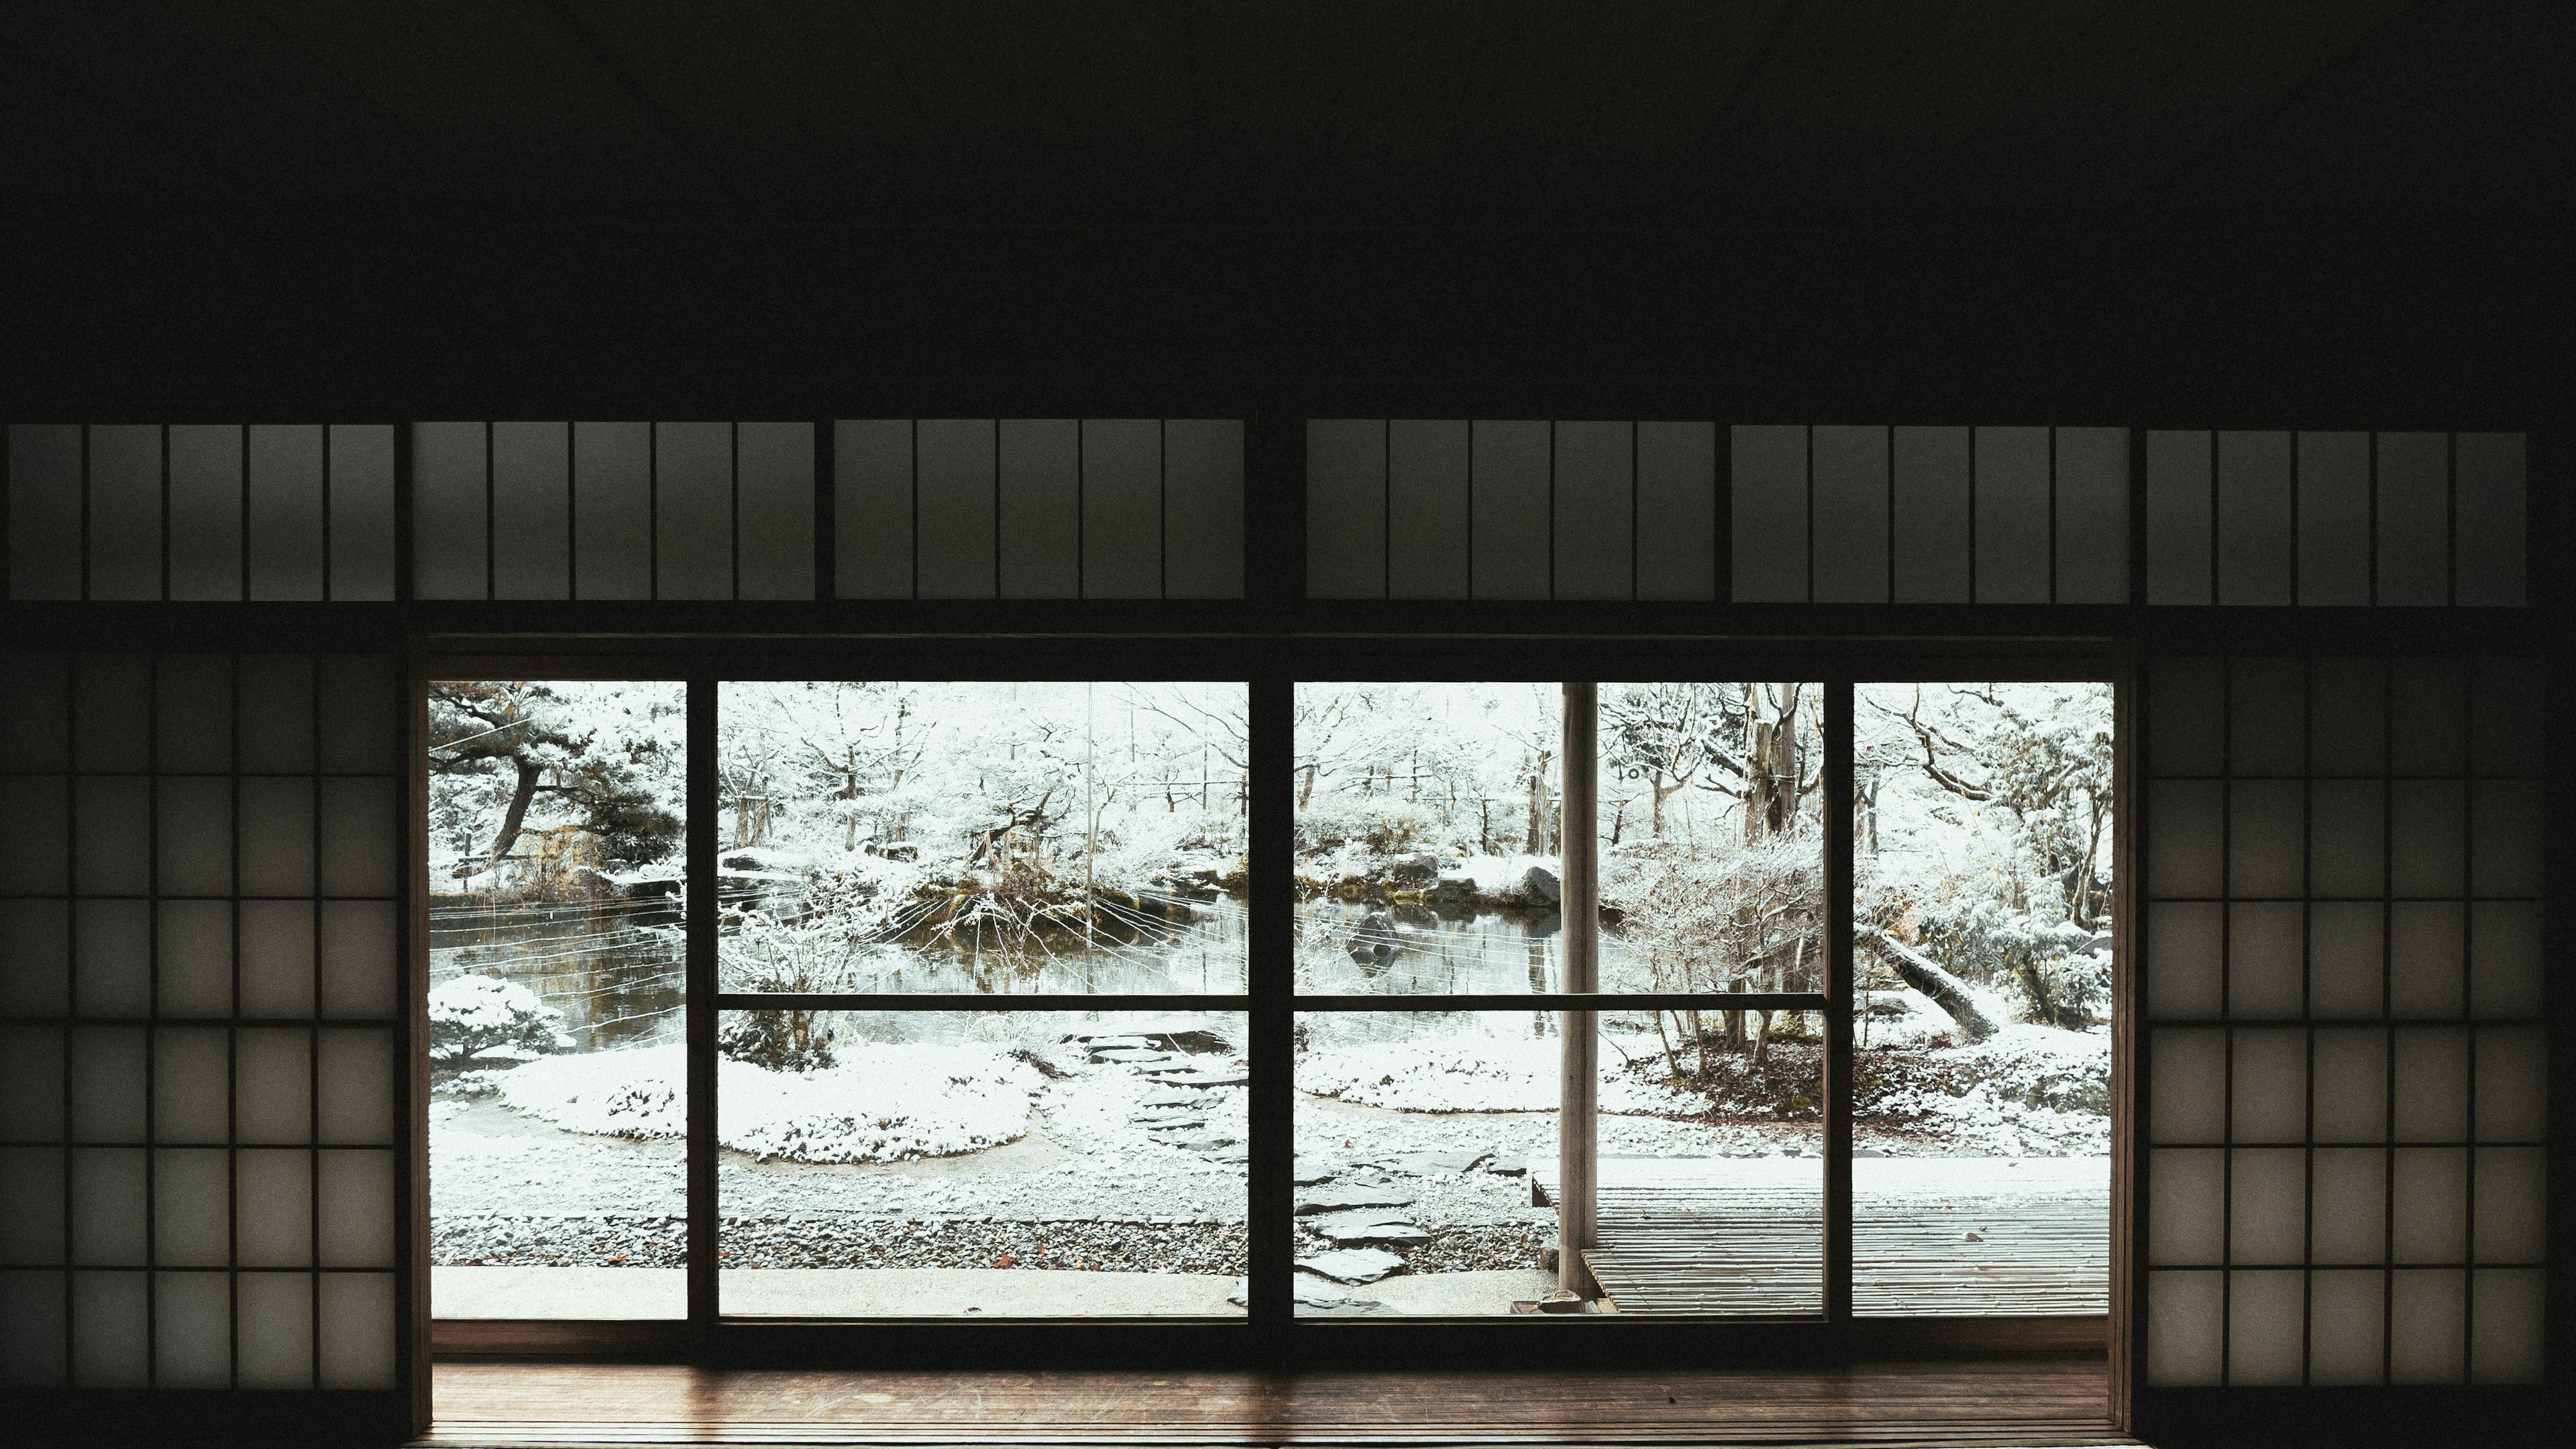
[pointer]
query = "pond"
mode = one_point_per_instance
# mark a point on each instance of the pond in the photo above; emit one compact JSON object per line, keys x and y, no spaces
{"x":614,"y":966}
{"x":1343,"y":951}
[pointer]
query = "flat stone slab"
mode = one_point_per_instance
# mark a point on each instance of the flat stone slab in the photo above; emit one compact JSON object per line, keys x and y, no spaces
{"x":1330,"y":1199}
{"x":1205,"y":1144}
{"x":1508,"y":1167}
{"x":1354,"y":1265}
{"x":1139,"y":1055}
{"x":1175,"y":1099}
{"x":1311,"y":1173}
{"x":1110,"y":1043}
{"x":1189,"y":1077}
{"x":1435,"y":1164}
{"x":1371,"y":1227}
{"x":1180,"y":1122}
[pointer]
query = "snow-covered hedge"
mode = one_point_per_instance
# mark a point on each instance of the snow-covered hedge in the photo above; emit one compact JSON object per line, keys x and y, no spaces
{"x":1469,"y":1074}
{"x":485,"y":1016}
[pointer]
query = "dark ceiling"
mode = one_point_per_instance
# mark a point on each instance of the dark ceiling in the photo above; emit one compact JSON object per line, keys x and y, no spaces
{"x":1407,"y":112}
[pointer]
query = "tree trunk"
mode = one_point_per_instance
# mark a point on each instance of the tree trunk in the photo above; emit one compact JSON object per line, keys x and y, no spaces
{"x":1929,"y":977}
{"x":530,"y":772}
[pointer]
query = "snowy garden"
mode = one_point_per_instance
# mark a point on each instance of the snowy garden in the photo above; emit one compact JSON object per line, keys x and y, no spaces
{"x":1014,"y":839}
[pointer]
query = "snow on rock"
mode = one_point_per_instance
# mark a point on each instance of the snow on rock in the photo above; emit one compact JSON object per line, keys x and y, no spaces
{"x":1353,"y":1265}
{"x":485,"y":1016}
{"x":900,"y":1102}
{"x":1469,"y":1074}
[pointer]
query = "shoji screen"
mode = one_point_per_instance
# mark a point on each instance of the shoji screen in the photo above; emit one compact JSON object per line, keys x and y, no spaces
{"x":198,"y":970}
{"x":2347,"y":1061}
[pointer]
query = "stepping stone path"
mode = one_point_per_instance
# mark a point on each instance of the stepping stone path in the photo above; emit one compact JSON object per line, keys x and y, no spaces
{"x":1435,"y":1164}
{"x":1332,"y":1199}
{"x":1139,"y":1056}
{"x":1311,"y":1173}
{"x":1354,"y":1265}
{"x":1317,"y":1294}
{"x":1203,"y":1077}
{"x":1371,"y":1227}
{"x":1508,"y":1167}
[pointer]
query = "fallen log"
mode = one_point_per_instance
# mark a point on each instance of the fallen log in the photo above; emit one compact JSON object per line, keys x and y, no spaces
{"x":1934,"y":980}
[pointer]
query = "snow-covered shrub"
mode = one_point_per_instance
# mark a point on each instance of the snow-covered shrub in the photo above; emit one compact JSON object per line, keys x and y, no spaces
{"x":777,"y":1041}
{"x":1379,"y":824}
{"x":2045,"y":960}
{"x":485,"y":1016}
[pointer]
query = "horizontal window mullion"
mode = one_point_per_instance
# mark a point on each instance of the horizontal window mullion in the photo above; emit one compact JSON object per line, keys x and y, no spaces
{"x":1571,"y":1001}
{"x":976,"y":1001}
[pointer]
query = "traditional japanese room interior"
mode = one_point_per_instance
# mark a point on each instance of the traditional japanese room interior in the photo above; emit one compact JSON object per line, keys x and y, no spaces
{"x":1168,"y":723}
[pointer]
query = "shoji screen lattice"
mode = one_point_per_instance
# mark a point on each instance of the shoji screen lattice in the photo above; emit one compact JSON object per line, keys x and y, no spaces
{"x":2347,"y":1057}
{"x":198,"y":993}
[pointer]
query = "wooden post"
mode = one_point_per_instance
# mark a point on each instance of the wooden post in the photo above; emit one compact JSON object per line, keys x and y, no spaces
{"x":1577,"y":1151}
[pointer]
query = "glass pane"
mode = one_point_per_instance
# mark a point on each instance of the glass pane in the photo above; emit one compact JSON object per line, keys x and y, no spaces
{"x":1430,"y":847}
{"x":1001,"y":1164}
{"x":883,"y":836}
{"x":556,"y":857}
{"x":1982,"y":998}
{"x":1428,"y":1169}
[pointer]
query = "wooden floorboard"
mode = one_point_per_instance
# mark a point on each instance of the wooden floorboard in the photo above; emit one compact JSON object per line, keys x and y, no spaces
{"x":2026,"y":1401}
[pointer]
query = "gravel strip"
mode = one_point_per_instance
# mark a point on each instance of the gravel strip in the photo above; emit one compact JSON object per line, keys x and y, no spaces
{"x":843,"y":1241}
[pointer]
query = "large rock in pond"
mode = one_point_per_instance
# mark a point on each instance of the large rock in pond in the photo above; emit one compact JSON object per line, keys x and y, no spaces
{"x":1416,"y":870}
{"x":1539,"y":886}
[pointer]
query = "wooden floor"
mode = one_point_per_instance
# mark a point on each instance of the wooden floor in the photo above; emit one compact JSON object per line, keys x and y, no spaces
{"x":2054,"y":1401}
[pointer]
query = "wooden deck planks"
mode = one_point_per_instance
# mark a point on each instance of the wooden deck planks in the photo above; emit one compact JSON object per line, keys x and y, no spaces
{"x":490,"y":1404}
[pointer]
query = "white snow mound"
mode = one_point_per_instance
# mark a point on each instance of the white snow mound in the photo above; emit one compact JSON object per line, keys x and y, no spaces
{"x":1468,"y":1074}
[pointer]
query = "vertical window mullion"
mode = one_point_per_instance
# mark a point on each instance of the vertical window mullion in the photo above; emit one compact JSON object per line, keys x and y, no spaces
{"x":1838,"y":1002}
{"x":1270,"y":1274}
{"x":699,"y":1015}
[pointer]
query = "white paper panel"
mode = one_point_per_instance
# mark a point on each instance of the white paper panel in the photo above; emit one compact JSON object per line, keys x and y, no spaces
{"x":356,"y":1191}
{"x":113,"y":817}
{"x":1203,"y":538}
{"x":2511,"y":1336}
{"x":31,"y":1205}
{"x":1595,"y":526}
{"x":2504,"y":958}
{"x":196,"y":836}
{"x":196,"y":958}
{"x":2352,"y":1084}
{"x":360,"y":837}
{"x":2189,"y":1084}
{"x":2349,"y":1196}
{"x":2183,"y":843}
{"x":2334,"y":518}
{"x":113,"y":975}
{"x":1848,"y":488}
{"x":2414,"y":518}
{"x":2185,"y":1312}
{"x":125,"y":511}
{"x":108,"y":1207}
{"x":2427,"y":1317}
{"x":1039,"y":472}
{"x":357,"y":1084}
{"x":273,"y":1191}
{"x":2186,"y":1205}
{"x":775,"y":482}
{"x":192,"y":1320}
{"x":1769,"y":504}
{"x":2012,"y":502}
{"x":2264,"y":835}
{"x":111,"y":1330}
{"x":2183,"y":944}
{"x":358,"y":972}
{"x":2267,"y":701}
{"x":35,"y":958}
{"x":276,"y":836}
{"x":192,"y":1212}
{"x":112,"y":712}
{"x":2267,"y":1205}
{"x":1426,"y":508}
{"x":35,"y":821}
{"x":31,"y":1329}
{"x":1509,"y":509}
{"x":2488,"y":503}
{"x":44,"y":510}
{"x":206,"y":511}
{"x":872,"y":509}
{"x":35,"y":712}
{"x":359,"y":695}
{"x":2347,"y":1327}
{"x":362,"y":511}
{"x":1346,"y":508}
{"x":31,"y":1083}
{"x":2429,"y":717}
{"x":2429,"y":1204}
{"x":447,"y":504}
{"x":2092,"y":515}
{"x":275,"y":1311}
{"x":531,"y":510}
{"x":2346,"y":839}
{"x":2270,"y":1086}
{"x":612,"y":508}
{"x":2424,"y":958}
{"x":953,"y":508}
{"x":2178,"y":551}
{"x":2187,"y":717}
{"x":693,"y":510}
{"x":2254,"y":518}
{"x":2265,"y":1327}
{"x":2263,"y":969}
{"x":2508,"y":711}
{"x":357,"y":1331}
{"x":276,"y":696}
{"x":277,"y":958}
{"x":273,"y":1084}
{"x":2347,"y":717}
{"x":191,"y":1077}
{"x":2505,"y":844}
{"x":1931,"y":515}
{"x":2432,"y":1084}
{"x":1677,"y":510}
{"x":2426,"y":838}
{"x":2512,"y":1223}
{"x":2512,"y":1084}
{"x":1122,"y":508}
{"x":107,"y":1084}
{"x":286,"y":538}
